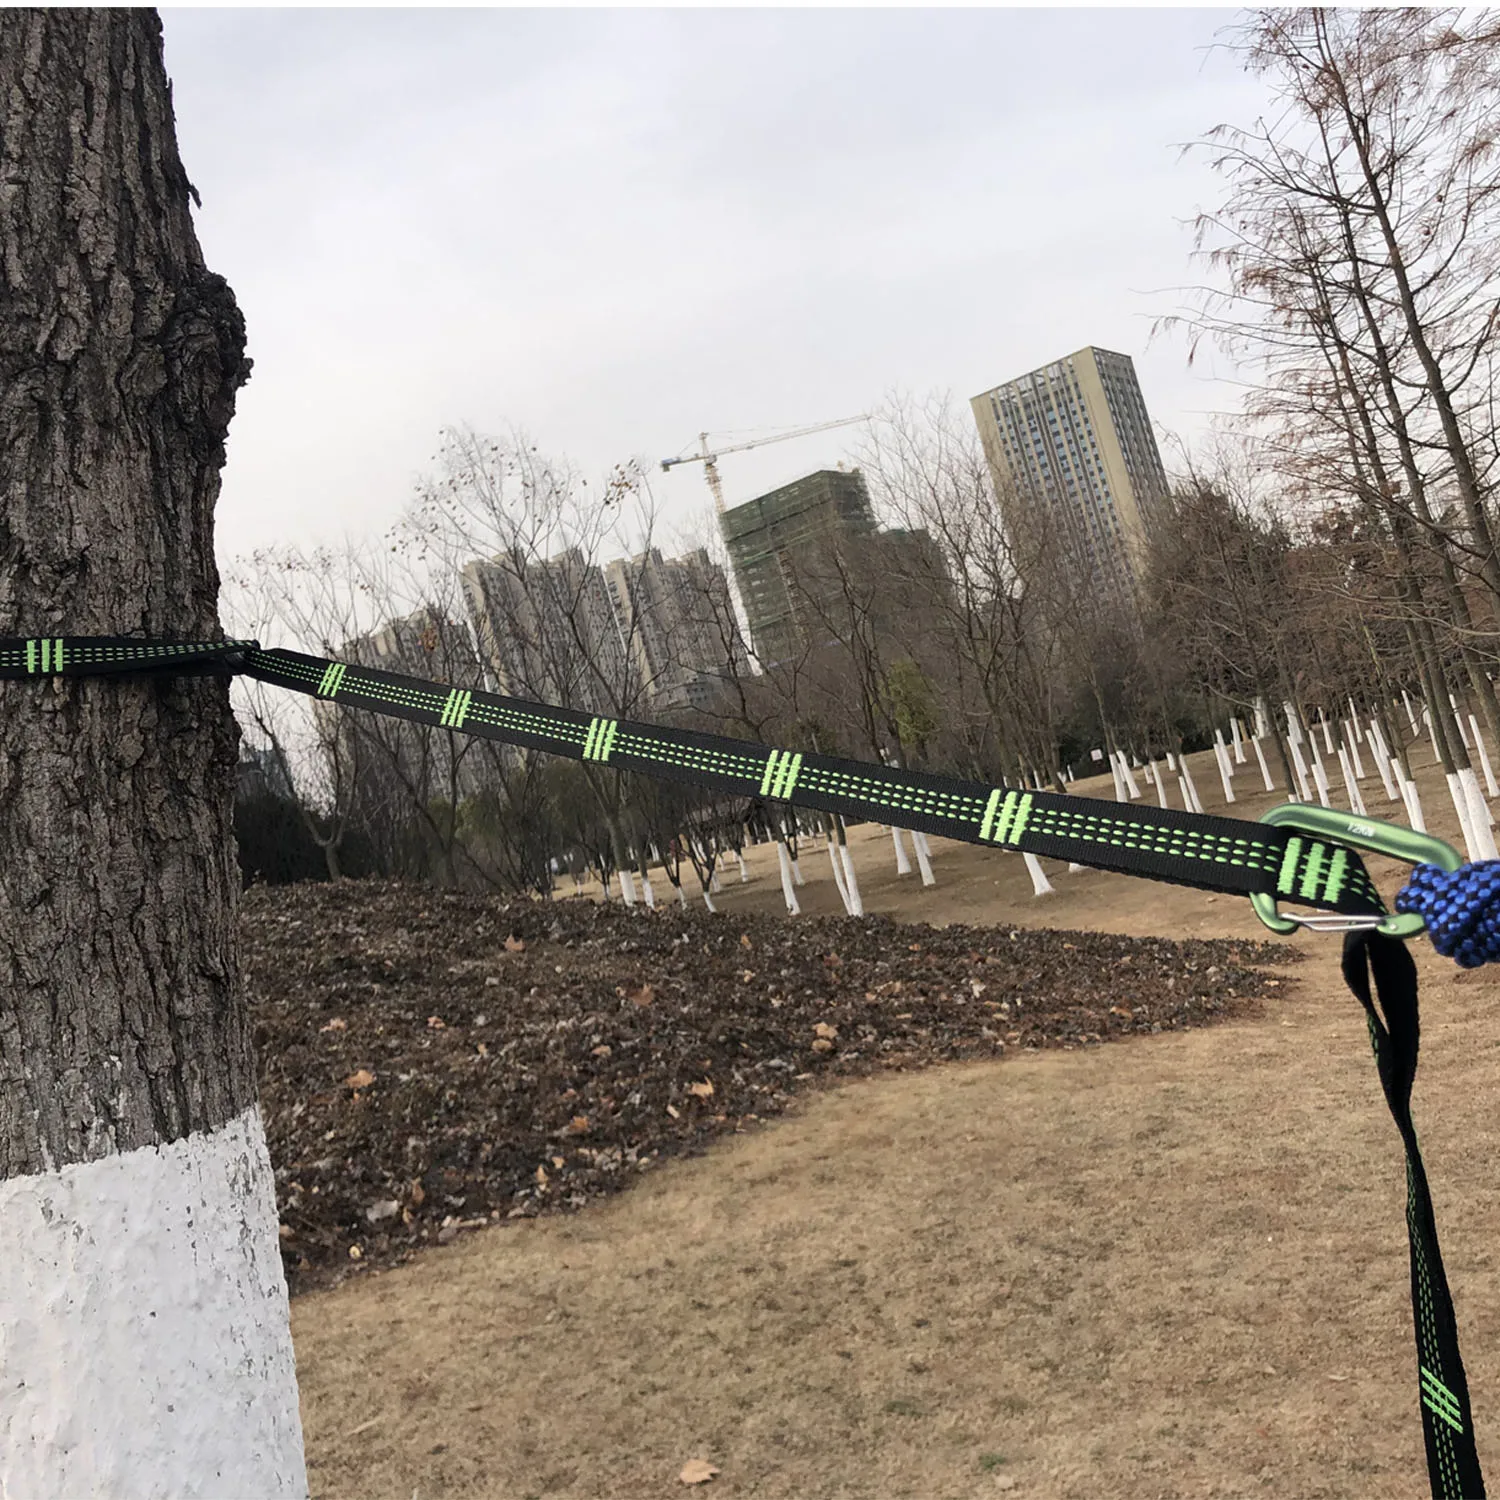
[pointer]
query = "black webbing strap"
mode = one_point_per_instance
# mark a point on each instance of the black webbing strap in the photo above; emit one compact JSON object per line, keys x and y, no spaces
{"x":1192,"y":849}
{"x":1447,"y":1426}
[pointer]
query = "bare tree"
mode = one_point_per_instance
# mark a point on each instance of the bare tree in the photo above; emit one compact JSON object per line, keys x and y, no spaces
{"x":1358,"y":241}
{"x":999,"y":685}
{"x":528,"y":537}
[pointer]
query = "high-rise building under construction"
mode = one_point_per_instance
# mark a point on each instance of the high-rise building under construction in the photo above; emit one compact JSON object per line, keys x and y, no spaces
{"x":1074,"y":436}
{"x":773,"y":539}
{"x":813,"y":570}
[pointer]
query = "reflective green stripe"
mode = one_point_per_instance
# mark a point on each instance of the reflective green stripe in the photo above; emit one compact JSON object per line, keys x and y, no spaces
{"x":456,"y":709}
{"x":988,"y":821}
{"x":1002,"y":823}
{"x":1308,"y":890}
{"x":1439,"y":1400}
{"x":600,"y":739}
{"x":1284,"y":885}
{"x":1022,"y":813}
{"x":769,"y":773}
{"x":31,"y":656}
{"x":786,"y":775}
{"x":1014,"y":812}
{"x":333,"y":677}
{"x":57,"y":656}
{"x":1334,"y":881}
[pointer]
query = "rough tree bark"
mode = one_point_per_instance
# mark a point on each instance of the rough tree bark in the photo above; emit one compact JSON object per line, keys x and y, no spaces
{"x":143,"y":1316}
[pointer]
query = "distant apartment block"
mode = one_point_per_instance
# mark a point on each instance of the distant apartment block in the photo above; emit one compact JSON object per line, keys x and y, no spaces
{"x":434,"y":648}
{"x":424,"y":644}
{"x":547,"y":630}
{"x":775,"y":543}
{"x":1075,"y":435}
{"x":678,"y":621}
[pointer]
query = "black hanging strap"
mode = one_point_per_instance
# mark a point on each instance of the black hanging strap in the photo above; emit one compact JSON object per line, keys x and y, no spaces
{"x":1447,"y":1427}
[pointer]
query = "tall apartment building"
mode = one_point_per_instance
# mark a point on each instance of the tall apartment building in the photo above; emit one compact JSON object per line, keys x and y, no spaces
{"x":548,"y":631}
{"x":774,"y":544}
{"x":678,"y":621}
{"x":1075,"y":435}
{"x":393,"y":755}
{"x":424,"y":644}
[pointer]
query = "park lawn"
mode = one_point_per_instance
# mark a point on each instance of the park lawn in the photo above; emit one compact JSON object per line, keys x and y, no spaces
{"x":1173,"y":1265}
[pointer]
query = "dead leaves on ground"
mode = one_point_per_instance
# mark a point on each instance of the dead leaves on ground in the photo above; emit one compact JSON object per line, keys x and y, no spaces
{"x":617,"y":1040}
{"x":697,"y":1471}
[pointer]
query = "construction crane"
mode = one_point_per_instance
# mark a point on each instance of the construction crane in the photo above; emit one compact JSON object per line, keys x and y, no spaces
{"x":709,"y":457}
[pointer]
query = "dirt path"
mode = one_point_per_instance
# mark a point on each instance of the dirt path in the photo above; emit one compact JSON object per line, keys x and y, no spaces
{"x":1173,"y":1266}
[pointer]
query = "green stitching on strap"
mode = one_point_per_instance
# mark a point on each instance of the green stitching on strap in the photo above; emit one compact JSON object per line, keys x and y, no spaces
{"x":1014,"y":812}
{"x":1023,"y":811}
{"x":600,"y":739}
{"x":780,"y":775}
{"x":1285,"y":883}
{"x":789,"y":783}
{"x":988,"y":821}
{"x":332,"y":678}
{"x":1439,"y":1400}
{"x":1334,"y":881}
{"x":770,"y":772}
{"x":1309,"y":887}
{"x":456,"y":709}
{"x":44,"y":656}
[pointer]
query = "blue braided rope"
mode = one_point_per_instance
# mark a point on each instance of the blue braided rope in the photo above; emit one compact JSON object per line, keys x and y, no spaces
{"x":1461,"y":908}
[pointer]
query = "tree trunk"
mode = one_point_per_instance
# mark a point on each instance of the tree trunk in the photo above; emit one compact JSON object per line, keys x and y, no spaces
{"x":147,"y":1343}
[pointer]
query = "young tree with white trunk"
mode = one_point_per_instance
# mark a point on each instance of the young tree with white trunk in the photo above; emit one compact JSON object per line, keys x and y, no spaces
{"x":147,"y":1348}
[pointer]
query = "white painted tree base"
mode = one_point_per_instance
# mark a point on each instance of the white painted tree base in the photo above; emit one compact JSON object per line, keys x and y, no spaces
{"x":903,"y":864}
{"x":1260,"y":757}
{"x":1484,"y":759}
{"x":143,"y":1327}
{"x":784,"y":861}
{"x":1351,"y":784}
{"x":924,"y":857}
{"x":851,"y":883}
{"x":1040,"y":885}
{"x":838,"y":873}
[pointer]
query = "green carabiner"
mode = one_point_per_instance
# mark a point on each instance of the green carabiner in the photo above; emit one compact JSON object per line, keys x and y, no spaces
{"x":1358,"y":833}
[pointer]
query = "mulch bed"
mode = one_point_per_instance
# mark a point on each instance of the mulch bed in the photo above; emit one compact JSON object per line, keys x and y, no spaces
{"x":433,"y":1062}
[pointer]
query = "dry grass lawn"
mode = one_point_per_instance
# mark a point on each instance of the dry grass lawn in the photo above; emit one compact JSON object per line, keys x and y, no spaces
{"x":1174,"y":1266}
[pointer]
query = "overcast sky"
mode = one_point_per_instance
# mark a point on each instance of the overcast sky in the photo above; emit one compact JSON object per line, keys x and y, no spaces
{"x":614,"y":229}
